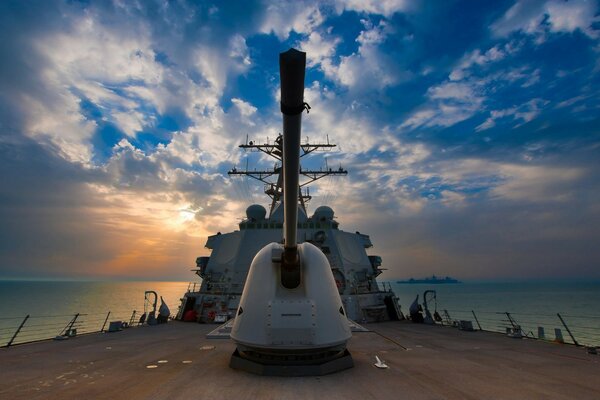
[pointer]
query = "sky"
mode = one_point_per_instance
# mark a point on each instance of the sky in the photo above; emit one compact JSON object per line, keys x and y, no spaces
{"x":470,"y":130}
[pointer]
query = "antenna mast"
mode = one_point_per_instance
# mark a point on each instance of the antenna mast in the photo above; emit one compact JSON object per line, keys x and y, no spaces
{"x":273,"y":178}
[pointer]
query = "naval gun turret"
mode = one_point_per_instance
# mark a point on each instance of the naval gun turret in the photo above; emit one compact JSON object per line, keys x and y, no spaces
{"x":291,"y":320}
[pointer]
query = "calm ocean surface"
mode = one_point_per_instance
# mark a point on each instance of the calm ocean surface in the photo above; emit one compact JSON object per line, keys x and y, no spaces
{"x":51,"y":305}
{"x":530,"y":305}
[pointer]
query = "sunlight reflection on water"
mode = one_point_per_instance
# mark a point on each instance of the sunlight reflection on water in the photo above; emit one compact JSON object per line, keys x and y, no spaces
{"x":52,"y":304}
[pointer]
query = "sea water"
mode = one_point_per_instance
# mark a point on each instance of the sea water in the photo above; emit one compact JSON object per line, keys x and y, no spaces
{"x":52,"y":305}
{"x":530,"y":305}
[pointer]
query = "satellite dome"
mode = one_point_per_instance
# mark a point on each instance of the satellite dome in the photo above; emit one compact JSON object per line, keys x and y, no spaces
{"x":256,"y":212}
{"x":323,"y":213}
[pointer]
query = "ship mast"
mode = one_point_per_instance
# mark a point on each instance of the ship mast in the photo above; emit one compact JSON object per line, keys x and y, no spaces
{"x":273,"y":179}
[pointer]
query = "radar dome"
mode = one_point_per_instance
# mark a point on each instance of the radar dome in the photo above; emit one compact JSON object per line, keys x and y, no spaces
{"x":256,"y":212}
{"x":323,"y":213}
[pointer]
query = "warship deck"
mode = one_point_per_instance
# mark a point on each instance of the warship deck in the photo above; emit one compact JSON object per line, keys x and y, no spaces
{"x":425,"y":362}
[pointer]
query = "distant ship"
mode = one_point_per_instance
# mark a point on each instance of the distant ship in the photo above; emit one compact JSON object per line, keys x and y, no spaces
{"x":431,"y":280}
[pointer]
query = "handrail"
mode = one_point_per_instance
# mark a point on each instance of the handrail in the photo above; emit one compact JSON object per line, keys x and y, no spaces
{"x":578,"y":331}
{"x":35,"y":329}
{"x":528,"y":314}
{"x":43,"y":327}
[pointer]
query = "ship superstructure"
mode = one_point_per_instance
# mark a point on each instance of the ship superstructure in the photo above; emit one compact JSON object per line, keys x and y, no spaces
{"x":224,"y":272}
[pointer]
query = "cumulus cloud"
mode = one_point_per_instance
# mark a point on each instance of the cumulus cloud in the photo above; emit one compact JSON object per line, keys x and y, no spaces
{"x":59,"y":219}
{"x":319,"y":48}
{"x":239,"y":50}
{"x":381,"y":7}
{"x":57,"y":119}
{"x":82,"y":64}
{"x":369,"y":67}
{"x":286,"y":17}
{"x":117,"y":69}
{"x":245,"y":108}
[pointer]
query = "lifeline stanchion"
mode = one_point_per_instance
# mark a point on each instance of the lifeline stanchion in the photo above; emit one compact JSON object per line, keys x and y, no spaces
{"x":476,"y":320}
{"x":104,"y":324}
{"x":17,"y":331}
{"x":132,"y":318}
{"x":568,"y":330}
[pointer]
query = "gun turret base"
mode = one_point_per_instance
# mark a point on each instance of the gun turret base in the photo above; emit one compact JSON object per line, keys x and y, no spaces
{"x":283,"y":367}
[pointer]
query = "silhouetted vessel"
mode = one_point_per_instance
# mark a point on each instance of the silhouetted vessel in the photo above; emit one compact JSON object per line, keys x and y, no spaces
{"x":431,"y":280}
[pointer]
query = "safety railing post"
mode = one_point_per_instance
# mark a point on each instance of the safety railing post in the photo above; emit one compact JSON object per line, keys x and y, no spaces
{"x":132,"y":318}
{"x":105,"y":320}
{"x":68,"y":330}
{"x":12,"y":339}
{"x":511,"y":320}
{"x":448,"y":319}
{"x":73,"y":322}
{"x":567,"y":328}
{"x":476,"y":320}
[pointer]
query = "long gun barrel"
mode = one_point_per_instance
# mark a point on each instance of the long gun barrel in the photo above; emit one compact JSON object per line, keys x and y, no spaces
{"x":290,"y":290}
{"x":292,"y":65}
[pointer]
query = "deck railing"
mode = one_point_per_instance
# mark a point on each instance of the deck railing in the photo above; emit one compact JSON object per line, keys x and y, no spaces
{"x":580,"y":330}
{"x":32,"y":328}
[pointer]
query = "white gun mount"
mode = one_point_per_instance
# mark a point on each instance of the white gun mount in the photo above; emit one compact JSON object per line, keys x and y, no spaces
{"x":291,"y":320}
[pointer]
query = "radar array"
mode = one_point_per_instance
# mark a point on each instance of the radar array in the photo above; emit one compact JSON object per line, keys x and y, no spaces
{"x":273,"y":179}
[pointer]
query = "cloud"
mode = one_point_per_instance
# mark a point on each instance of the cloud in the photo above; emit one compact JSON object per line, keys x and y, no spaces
{"x":319,"y":49}
{"x":99,"y":59}
{"x":135,"y":216}
{"x":571,"y":101}
{"x":60,"y":122}
{"x":537,"y":184}
{"x":475,"y":78}
{"x":381,"y":7}
{"x":54,"y":221}
{"x":523,"y":16}
{"x":80,"y":62}
{"x":296,"y":16}
{"x":525,"y":112}
{"x":477,"y":58}
{"x":165,"y":92}
{"x":239,"y":50}
{"x":246,"y":110}
{"x":369,"y":67}
{"x":450,"y":103}
{"x":130,"y":213}
{"x":554,"y":16}
{"x":534,"y":77}
{"x":518,"y":220}
{"x":130,"y":122}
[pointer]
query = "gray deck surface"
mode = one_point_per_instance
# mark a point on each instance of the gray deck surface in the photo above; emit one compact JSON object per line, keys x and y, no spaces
{"x":438,"y":363}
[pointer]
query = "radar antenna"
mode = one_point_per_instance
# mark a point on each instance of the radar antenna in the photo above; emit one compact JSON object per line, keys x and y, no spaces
{"x":273,"y":179}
